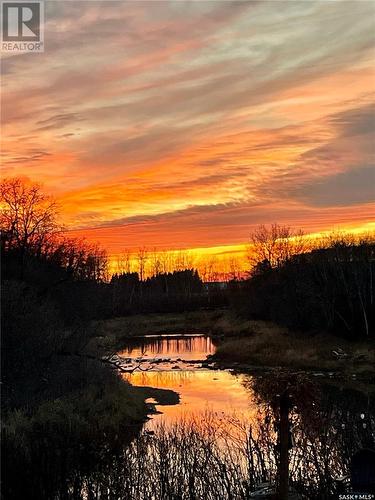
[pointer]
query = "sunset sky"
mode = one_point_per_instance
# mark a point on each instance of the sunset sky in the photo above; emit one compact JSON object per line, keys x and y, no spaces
{"x":186,"y":124}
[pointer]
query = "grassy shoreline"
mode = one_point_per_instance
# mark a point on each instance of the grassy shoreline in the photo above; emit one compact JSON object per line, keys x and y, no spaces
{"x":247,"y":342}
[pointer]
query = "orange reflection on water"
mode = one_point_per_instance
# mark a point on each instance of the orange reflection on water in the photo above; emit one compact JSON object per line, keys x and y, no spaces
{"x":192,"y":347}
{"x":218,"y":391}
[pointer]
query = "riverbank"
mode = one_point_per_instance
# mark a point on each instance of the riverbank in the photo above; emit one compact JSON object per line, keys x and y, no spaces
{"x":272,"y":346}
{"x":246,"y":342}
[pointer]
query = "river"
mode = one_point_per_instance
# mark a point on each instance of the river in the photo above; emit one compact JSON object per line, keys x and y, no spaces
{"x":175,"y":362}
{"x":329,"y":420}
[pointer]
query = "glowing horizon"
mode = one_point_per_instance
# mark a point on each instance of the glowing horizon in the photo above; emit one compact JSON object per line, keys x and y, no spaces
{"x":184,"y":125}
{"x":224,"y":259}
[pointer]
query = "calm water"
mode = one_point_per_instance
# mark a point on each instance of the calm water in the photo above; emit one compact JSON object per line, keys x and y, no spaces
{"x":172,"y":347}
{"x":168,"y":361}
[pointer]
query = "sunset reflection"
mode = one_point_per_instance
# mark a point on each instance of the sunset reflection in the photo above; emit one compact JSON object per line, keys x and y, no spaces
{"x":218,"y":391}
{"x":190,"y":347}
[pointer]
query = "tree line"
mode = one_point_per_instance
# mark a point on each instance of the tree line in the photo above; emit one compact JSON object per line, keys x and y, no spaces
{"x":148,"y":262}
{"x":164,"y":292}
{"x":329,"y":287}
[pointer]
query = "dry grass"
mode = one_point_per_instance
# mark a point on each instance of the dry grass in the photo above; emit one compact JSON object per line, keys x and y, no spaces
{"x":218,"y":322}
{"x":270,"y":345}
{"x":143,"y":324}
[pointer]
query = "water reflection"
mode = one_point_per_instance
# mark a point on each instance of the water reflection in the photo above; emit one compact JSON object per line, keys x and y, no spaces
{"x":220,"y":392}
{"x":214,"y":390}
{"x":187,"y":347}
{"x":327,"y":427}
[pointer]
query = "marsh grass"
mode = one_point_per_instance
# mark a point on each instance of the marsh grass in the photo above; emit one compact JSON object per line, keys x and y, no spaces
{"x":270,"y":345}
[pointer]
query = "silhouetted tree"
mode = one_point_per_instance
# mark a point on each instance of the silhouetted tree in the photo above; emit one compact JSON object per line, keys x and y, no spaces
{"x":28,"y":217}
{"x":275,"y":244}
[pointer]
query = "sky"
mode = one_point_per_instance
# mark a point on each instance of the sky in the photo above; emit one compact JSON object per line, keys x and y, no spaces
{"x":185,"y":124}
